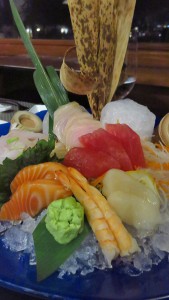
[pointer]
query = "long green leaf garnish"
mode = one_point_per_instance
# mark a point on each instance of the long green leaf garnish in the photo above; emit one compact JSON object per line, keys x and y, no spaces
{"x":50,"y":255}
{"x":55,"y":81}
{"x":47,"y":81}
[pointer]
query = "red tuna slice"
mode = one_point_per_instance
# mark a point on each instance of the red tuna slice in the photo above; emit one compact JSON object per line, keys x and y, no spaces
{"x":130,"y":141}
{"x":100,"y":139}
{"x":89,"y":162}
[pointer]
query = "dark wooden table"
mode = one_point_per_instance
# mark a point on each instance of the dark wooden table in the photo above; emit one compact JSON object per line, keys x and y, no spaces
{"x":24,"y":62}
{"x":16,"y":82}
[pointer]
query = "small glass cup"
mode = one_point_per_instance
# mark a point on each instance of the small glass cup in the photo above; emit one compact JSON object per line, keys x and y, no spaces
{"x":7,"y":109}
{"x":129,"y":70}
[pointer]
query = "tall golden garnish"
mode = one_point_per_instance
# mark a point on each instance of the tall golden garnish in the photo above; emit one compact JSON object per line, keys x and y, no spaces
{"x":101,"y":32}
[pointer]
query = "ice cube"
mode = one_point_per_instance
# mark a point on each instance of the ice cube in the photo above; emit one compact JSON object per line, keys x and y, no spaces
{"x":142,"y":262}
{"x":88,"y":257}
{"x":129,"y":112}
{"x":4,"y":226}
{"x":15,"y":239}
{"x":161,"y":241}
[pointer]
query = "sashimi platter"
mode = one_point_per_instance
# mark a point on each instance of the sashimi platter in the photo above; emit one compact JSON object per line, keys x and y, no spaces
{"x":84,"y":193}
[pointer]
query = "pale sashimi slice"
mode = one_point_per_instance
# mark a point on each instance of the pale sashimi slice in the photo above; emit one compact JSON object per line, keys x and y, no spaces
{"x":73,"y":120}
{"x":16,"y":141}
{"x":79,"y":128}
{"x":62,"y":115}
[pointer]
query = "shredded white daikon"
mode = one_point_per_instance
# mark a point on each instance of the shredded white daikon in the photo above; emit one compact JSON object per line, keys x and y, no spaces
{"x":159,"y":157}
{"x":153,"y":153}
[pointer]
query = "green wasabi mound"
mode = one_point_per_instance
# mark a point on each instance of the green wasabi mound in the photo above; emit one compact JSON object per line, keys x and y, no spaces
{"x":65,"y":219}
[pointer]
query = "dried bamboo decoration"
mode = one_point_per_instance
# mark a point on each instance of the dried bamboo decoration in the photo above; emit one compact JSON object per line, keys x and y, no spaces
{"x":125,"y":11}
{"x":101,"y":31}
{"x":85,"y":23}
{"x":106,"y":55}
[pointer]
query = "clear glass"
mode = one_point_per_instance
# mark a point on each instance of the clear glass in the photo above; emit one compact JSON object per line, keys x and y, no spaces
{"x":129,"y":70}
{"x":7,"y":109}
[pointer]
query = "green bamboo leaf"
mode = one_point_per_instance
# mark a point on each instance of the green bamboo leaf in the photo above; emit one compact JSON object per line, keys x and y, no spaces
{"x":55,"y":81}
{"x":44,"y":93}
{"x":54,"y":99}
{"x":50,"y":255}
{"x":51,"y":127}
{"x":25,"y":37}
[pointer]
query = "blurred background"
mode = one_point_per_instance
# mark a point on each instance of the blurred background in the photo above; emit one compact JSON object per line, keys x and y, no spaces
{"x":50,"y":19}
{"x":48,"y":24}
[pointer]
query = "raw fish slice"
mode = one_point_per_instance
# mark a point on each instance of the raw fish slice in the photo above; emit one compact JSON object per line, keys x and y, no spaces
{"x":130,"y":141}
{"x":32,"y":198}
{"x":81,"y":127}
{"x":73,"y":121}
{"x":41,"y":171}
{"x":62,"y":115}
{"x":126,"y":111}
{"x":89,"y":162}
{"x":102,"y":140}
{"x":70,"y":122}
{"x":16,"y":141}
